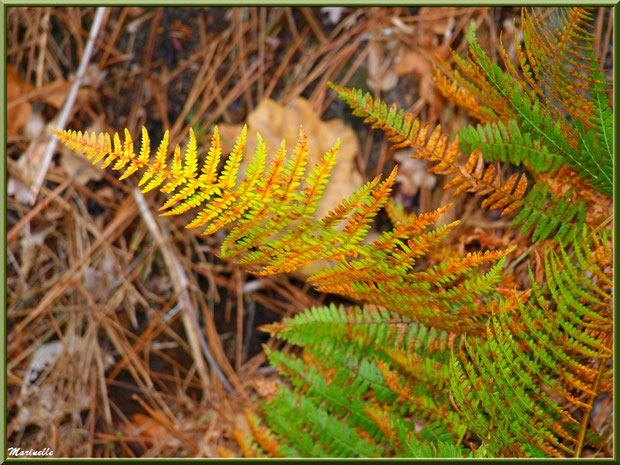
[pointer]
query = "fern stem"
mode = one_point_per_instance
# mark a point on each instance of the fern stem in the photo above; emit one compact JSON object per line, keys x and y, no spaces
{"x":588,"y":409}
{"x":522,"y":257}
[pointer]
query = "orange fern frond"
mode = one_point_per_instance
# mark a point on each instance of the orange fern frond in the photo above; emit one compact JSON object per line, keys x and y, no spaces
{"x":262,"y":435}
{"x":539,"y":215}
{"x":271,"y":211}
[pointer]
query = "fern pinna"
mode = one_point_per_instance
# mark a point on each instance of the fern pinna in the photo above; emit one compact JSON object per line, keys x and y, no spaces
{"x":436,"y":361}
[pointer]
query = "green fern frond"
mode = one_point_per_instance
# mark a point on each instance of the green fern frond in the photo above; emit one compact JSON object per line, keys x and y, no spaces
{"x":355,"y":343}
{"x":344,"y":394}
{"x":363,"y":332}
{"x":405,"y":443}
{"x":546,"y":216}
{"x":565,"y":324}
{"x":560,"y":51}
{"x":562,"y":79}
{"x":312,"y":431}
{"x":507,"y":142}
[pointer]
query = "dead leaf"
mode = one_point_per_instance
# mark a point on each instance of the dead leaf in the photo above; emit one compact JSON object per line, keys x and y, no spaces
{"x":18,"y":115}
{"x":264,"y":387}
{"x":41,"y":401}
{"x":56,"y":94}
{"x":419,"y":63}
{"x":540,"y":268}
{"x":411,"y":61}
{"x":241,"y":424}
{"x":30,"y":161}
{"x":143,"y":425}
{"x":30,"y":244}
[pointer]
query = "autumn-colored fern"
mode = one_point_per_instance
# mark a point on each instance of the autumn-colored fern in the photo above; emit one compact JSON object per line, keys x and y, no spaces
{"x":439,"y":359}
{"x":273,"y":225}
{"x":552,"y":116}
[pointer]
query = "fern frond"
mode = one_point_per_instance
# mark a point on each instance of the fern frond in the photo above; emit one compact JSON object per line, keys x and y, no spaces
{"x":356,"y":344}
{"x":274,"y":227}
{"x":547,"y":217}
{"x":344,"y":394}
{"x":401,"y":436}
{"x":303,"y":422}
{"x":558,"y":55}
{"x":364,"y":331}
{"x":508,"y":143}
{"x":565,"y":324}
{"x":555,"y":99}
{"x":272,"y":210}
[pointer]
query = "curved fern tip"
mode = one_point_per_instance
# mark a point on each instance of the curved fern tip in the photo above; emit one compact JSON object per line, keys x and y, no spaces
{"x":334,"y":86}
{"x":471,"y":31}
{"x":302,"y":132}
{"x":393,"y":173}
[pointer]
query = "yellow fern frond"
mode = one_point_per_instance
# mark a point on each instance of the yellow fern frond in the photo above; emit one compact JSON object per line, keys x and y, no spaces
{"x":271,"y":210}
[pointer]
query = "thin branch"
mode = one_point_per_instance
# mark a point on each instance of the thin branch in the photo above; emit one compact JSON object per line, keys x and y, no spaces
{"x":66,"y":109}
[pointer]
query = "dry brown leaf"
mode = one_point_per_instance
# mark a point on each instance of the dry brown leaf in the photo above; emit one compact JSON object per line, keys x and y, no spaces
{"x":58,"y":91}
{"x":42,"y":400}
{"x":30,"y":161}
{"x":240,"y":422}
{"x":18,"y":115}
{"x":147,"y":426}
{"x":265,"y":388}
{"x":412,"y":61}
{"x":419,"y":63}
{"x":30,"y":244}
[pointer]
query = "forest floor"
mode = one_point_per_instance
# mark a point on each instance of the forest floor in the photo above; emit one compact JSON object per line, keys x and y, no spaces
{"x":104,"y":358}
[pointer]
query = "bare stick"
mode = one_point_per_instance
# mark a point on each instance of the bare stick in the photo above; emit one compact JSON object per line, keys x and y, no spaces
{"x":66,"y":109}
{"x":181,"y":284}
